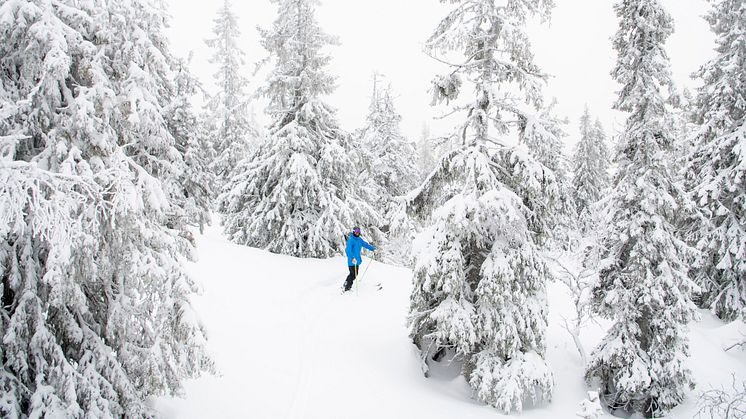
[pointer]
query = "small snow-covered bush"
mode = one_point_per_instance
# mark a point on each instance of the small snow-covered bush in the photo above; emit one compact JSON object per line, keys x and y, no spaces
{"x":590,"y":408}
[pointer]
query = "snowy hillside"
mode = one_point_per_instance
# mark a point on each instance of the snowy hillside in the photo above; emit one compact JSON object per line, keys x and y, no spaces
{"x":288,"y":345}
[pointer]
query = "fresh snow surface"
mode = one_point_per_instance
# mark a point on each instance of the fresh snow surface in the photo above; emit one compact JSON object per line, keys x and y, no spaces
{"x":288,"y":345}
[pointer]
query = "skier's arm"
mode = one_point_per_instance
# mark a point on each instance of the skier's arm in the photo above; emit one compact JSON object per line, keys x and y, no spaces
{"x":368,"y":246}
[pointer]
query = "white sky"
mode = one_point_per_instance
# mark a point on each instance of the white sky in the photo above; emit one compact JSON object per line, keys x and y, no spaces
{"x":387,"y":36}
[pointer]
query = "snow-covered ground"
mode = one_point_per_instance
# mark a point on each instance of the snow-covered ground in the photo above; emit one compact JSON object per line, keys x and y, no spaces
{"x":288,"y":345}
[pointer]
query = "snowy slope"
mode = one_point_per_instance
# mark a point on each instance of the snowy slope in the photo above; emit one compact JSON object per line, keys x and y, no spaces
{"x":288,"y":345}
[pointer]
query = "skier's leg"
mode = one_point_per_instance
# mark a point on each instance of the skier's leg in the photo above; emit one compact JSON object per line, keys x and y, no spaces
{"x":350,"y":278}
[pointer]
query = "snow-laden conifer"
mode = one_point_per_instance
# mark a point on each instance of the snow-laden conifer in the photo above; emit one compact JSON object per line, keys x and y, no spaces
{"x":192,"y":189}
{"x":229,"y":121}
{"x":479,"y":287}
{"x":590,"y":164}
{"x":681,"y":121}
{"x":299,"y":193}
{"x":542,"y":132}
{"x":425,"y":153}
{"x":95,"y":314}
{"x":643,"y":287}
{"x":390,"y":170}
{"x":403,"y":228}
{"x":393,"y":157}
{"x":719,"y":165}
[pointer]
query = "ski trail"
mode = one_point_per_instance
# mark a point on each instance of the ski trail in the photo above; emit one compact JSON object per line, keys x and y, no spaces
{"x":308,"y":350}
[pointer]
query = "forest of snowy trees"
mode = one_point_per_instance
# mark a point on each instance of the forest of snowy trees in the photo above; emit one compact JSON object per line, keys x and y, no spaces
{"x":108,"y":170}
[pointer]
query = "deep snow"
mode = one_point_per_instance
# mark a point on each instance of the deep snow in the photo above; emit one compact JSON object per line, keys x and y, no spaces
{"x":288,"y":345}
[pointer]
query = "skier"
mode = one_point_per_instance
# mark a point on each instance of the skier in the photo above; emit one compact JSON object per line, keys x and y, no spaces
{"x":354,"y":244}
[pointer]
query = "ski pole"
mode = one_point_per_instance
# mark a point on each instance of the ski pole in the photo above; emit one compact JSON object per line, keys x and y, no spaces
{"x":366,"y":269}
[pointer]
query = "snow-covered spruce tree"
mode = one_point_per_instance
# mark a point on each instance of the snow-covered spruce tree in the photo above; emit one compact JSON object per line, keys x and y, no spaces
{"x":425,"y":153}
{"x":299,"y":194}
{"x":479,"y":287}
{"x":643,"y":285}
{"x":192,"y":190}
{"x":681,"y":122}
{"x":719,"y":166}
{"x":590,"y":164}
{"x":603,"y":146}
{"x":403,"y":228}
{"x":393,"y":169}
{"x":229,"y":116}
{"x":390,"y":170}
{"x":95,"y":314}
{"x":542,"y":132}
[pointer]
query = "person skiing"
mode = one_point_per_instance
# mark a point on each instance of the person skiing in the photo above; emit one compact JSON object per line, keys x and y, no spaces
{"x":355,"y":243}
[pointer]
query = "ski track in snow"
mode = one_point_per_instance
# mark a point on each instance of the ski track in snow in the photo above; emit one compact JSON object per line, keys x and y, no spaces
{"x":309,"y":346}
{"x":288,"y":345}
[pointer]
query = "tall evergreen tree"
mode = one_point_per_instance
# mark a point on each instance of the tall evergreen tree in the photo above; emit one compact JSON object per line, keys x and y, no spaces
{"x":590,"y":164}
{"x":298,"y":195}
{"x":393,"y":168}
{"x":718,"y":165}
{"x":603,"y":146}
{"x":682,"y":126}
{"x":192,"y":189}
{"x":643,"y":285}
{"x":425,"y":153}
{"x":95,"y":314}
{"x":390,"y":171}
{"x":479,"y":288}
{"x":229,"y":121}
{"x":542,"y":133}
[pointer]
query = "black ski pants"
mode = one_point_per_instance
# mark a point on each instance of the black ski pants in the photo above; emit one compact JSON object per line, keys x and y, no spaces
{"x":351,"y":277}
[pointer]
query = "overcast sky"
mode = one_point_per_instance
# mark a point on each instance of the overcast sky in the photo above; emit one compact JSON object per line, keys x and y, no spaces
{"x":387,"y":36}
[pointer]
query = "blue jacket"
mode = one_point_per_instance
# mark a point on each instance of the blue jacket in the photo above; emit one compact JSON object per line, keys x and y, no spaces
{"x":354,"y":245}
